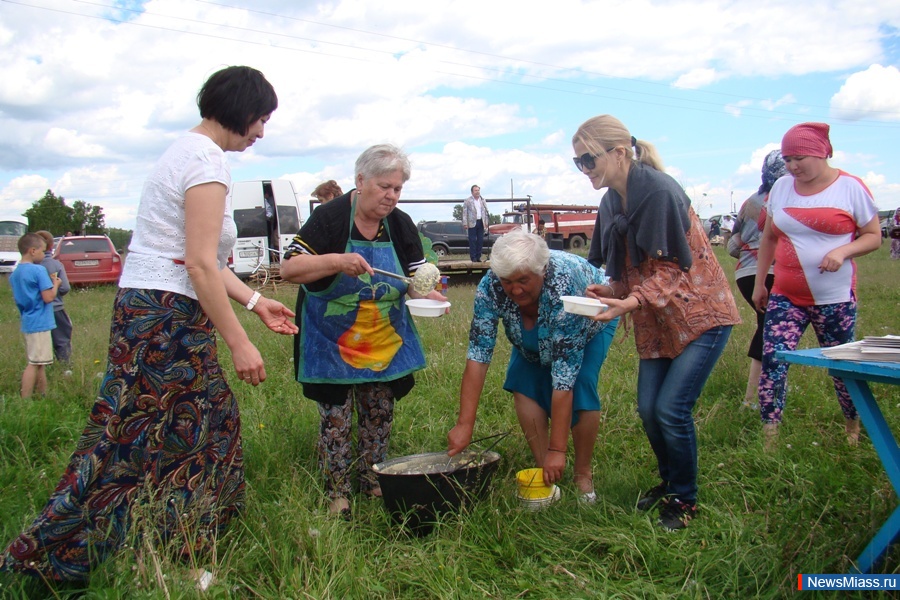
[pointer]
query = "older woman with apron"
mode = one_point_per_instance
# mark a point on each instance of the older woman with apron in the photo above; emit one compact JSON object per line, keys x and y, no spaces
{"x":357,"y":344}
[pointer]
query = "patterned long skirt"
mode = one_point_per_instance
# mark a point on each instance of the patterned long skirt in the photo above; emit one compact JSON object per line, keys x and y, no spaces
{"x":161,"y":451}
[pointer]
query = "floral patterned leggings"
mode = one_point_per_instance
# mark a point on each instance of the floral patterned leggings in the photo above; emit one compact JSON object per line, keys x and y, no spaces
{"x":375,"y":415}
{"x":834,"y":324}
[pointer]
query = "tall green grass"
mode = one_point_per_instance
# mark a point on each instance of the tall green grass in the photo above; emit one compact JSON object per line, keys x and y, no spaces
{"x":811,"y":507}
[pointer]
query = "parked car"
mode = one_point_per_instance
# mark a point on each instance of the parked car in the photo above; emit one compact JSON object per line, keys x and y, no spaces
{"x":449,"y":237}
{"x":89,"y":259}
{"x":11,"y":229}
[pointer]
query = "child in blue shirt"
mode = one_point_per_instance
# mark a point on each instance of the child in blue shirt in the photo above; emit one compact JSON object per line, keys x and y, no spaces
{"x":34,"y":290}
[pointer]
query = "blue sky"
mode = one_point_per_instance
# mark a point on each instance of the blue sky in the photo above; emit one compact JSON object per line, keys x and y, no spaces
{"x":476,"y":92}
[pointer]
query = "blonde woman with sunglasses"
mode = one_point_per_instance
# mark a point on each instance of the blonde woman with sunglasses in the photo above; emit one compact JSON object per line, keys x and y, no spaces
{"x":663,"y":272}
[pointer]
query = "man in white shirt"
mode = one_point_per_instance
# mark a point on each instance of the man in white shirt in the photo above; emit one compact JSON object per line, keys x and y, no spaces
{"x":475,"y":220}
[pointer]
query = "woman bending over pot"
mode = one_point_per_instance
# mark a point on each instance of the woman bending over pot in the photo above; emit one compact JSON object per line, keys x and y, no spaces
{"x":556,"y":356}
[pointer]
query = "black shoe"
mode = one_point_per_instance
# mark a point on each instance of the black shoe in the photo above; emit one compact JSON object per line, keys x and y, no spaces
{"x":652,"y":496}
{"x":676,"y":514}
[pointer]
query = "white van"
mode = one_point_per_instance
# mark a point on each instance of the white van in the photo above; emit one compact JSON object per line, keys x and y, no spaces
{"x":267,"y":216}
{"x":11,"y":229}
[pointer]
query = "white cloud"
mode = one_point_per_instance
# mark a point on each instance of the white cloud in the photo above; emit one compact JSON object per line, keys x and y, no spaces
{"x":735,"y":109}
{"x":870,"y":94}
{"x":464,"y":85}
{"x":696,"y":78}
{"x":885,"y":192}
{"x":874,"y":179}
{"x":69,"y":142}
{"x":754,"y":167}
{"x":19,"y":194}
{"x":775,"y":104}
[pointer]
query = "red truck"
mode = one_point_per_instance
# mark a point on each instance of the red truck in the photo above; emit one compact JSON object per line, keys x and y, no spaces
{"x":575,"y":223}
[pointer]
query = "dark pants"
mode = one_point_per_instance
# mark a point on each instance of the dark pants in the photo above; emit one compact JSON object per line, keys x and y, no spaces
{"x":745,"y":285}
{"x":62,"y":336}
{"x":476,"y":240}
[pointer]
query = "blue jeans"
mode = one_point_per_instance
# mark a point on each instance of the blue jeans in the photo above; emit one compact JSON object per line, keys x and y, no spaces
{"x":476,"y":240}
{"x":668,"y":389}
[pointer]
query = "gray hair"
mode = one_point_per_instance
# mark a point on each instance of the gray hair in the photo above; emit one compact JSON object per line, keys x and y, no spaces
{"x":518,"y":251}
{"x":382,"y":159}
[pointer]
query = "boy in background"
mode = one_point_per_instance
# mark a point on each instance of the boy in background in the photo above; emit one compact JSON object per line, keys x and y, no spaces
{"x":34,"y":290}
{"x":62,"y":333}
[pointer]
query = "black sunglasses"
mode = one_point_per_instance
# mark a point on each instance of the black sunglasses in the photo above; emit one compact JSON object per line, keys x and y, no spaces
{"x":586,"y":160}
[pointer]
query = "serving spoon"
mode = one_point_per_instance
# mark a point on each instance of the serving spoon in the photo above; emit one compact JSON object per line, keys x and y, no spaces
{"x":424,"y":280}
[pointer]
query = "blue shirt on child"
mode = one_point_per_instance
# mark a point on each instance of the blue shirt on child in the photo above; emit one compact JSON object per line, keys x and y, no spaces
{"x":27,"y":282}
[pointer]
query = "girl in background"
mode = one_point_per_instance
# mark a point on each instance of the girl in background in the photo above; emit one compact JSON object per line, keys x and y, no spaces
{"x":744,"y":246}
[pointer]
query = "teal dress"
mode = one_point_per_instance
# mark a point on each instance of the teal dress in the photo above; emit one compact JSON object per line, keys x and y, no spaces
{"x":535,"y":381}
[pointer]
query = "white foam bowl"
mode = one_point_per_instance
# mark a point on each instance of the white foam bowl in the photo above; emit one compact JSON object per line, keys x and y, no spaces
{"x":579,"y":305}
{"x":539,"y":503}
{"x":425,"y":307}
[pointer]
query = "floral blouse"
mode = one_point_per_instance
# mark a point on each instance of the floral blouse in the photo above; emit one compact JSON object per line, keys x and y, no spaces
{"x":562,"y":336}
{"x":677,"y":306}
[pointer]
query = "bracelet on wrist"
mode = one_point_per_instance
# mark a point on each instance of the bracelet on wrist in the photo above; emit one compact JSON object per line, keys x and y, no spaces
{"x":253,"y":300}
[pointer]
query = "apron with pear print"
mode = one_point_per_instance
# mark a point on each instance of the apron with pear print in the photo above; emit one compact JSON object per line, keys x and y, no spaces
{"x":358,"y":329}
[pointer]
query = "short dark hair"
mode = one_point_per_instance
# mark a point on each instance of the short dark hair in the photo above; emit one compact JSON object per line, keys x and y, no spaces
{"x":236,"y":97}
{"x":475,"y":185}
{"x":29,"y":241}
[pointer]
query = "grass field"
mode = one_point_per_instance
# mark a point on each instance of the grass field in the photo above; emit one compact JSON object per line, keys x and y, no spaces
{"x":810,"y":507}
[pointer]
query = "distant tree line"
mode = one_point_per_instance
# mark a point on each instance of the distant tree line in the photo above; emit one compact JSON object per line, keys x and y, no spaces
{"x":51,"y":213}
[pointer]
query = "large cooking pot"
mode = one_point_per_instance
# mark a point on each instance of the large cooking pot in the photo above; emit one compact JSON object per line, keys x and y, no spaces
{"x":419,"y":487}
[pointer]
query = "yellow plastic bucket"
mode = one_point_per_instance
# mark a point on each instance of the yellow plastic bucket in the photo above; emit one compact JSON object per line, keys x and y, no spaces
{"x":531,"y":484}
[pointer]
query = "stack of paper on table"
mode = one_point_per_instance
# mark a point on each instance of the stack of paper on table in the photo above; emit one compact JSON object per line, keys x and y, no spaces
{"x":870,"y":348}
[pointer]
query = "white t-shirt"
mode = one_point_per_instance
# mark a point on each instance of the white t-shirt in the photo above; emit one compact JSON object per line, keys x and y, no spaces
{"x":159,"y":234}
{"x":727,"y":222}
{"x":808,"y":228}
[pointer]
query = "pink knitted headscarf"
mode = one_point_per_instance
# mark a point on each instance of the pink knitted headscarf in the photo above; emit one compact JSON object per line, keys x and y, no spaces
{"x":807,"y":139}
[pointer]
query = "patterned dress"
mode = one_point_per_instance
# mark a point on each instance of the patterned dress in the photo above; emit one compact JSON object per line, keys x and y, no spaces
{"x":164,"y":432}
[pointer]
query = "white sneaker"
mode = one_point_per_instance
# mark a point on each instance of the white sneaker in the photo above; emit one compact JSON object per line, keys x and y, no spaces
{"x":588,"y":498}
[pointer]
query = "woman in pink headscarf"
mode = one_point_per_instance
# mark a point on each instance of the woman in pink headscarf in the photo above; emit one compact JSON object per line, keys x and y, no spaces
{"x":818,"y":221}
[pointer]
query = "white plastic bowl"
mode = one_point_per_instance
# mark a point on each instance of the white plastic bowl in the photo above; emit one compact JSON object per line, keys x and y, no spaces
{"x":425,"y":307}
{"x":578,"y":305}
{"x":539,"y":503}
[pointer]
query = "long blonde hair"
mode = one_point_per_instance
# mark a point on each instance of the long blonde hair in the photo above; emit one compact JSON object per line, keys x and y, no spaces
{"x":605,"y":131}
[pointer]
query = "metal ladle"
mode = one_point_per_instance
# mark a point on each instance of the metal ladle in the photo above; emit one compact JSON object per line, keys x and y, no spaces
{"x":497,"y":437}
{"x":423,"y":281}
{"x":408,"y":280}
